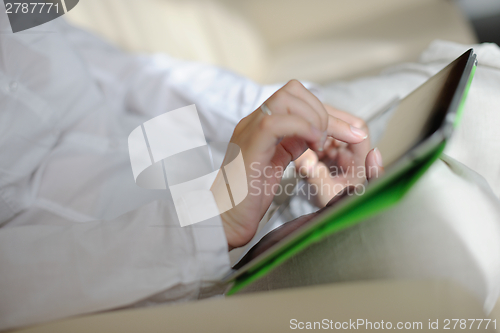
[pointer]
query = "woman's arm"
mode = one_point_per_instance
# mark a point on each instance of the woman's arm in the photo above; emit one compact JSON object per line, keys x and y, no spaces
{"x":53,"y":267}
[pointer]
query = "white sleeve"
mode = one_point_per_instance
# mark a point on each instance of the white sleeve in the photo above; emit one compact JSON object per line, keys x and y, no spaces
{"x":76,"y":234}
{"x":58,"y":268}
{"x":157,"y":84}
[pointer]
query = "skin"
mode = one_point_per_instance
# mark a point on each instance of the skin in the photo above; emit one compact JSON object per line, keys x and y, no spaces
{"x":284,"y":230}
{"x":297,"y":131}
{"x":340,"y":164}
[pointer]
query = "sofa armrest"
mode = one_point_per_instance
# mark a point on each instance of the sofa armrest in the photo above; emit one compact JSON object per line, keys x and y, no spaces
{"x":390,"y":301}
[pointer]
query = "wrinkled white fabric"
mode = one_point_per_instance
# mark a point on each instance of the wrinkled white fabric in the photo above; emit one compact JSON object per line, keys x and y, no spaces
{"x":77,"y":235}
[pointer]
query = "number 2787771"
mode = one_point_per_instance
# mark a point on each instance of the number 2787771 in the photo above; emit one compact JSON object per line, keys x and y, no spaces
{"x":31,"y":8}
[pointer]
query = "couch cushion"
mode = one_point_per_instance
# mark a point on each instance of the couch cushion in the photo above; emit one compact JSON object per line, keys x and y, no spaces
{"x":203,"y":31}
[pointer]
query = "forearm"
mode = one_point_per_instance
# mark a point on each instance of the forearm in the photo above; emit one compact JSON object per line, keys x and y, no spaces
{"x":54,"y":270}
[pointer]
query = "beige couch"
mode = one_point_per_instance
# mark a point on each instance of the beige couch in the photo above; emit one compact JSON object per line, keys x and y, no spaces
{"x":405,"y":302}
{"x":273,"y":41}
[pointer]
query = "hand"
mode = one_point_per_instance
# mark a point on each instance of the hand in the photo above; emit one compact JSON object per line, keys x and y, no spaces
{"x":286,"y":229}
{"x":276,"y":235}
{"x":339,"y":165}
{"x":270,"y":142}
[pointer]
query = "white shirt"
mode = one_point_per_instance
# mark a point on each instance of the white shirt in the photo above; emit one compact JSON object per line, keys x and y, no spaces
{"x":77,"y":235}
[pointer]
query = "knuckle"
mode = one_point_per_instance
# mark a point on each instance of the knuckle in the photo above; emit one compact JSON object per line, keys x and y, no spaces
{"x":266,"y":123}
{"x":280,"y":96}
{"x":241,"y":126}
{"x":294,"y":85}
{"x":335,"y":121}
{"x":360,"y":123}
{"x":324,"y":115}
{"x":237,"y":129}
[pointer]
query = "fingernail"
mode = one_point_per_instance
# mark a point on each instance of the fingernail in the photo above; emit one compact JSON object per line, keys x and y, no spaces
{"x":378,"y":157}
{"x":358,"y":132}
{"x":322,"y":141}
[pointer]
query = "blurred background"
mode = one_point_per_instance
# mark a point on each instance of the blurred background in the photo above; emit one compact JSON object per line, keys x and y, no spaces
{"x":277,"y":40}
{"x":484,"y":16}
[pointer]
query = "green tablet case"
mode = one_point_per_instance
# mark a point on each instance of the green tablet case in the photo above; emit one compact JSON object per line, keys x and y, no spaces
{"x":377,"y":198}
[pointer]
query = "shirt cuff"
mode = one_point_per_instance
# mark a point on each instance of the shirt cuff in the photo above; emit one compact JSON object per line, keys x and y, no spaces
{"x":211,"y":250}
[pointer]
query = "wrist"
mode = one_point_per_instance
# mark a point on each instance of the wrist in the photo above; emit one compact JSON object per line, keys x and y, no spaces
{"x":227,"y":232}
{"x":237,"y":234}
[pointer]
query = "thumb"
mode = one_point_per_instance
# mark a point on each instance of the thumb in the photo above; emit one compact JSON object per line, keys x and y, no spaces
{"x":374,"y":165}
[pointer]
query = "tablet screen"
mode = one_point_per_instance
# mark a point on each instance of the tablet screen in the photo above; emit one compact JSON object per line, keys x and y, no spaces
{"x":421,"y":113}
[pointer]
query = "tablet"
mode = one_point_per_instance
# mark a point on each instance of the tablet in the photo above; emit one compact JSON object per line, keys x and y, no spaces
{"x":415,"y":135}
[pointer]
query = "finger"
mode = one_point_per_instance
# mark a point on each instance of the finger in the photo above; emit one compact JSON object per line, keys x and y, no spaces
{"x":306,"y":162}
{"x":296,"y":88}
{"x":333,"y":146}
{"x":330,"y":143}
{"x":346,"y":116}
{"x":343,"y":131}
{"x":358,"y":149}
{"x":272,"y":128}
{"x":322,"y":184}
{"x":288,"y":150}
{"x":374,"y":165}
{"x":282,"y":103}
{"x":327,"y":148}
